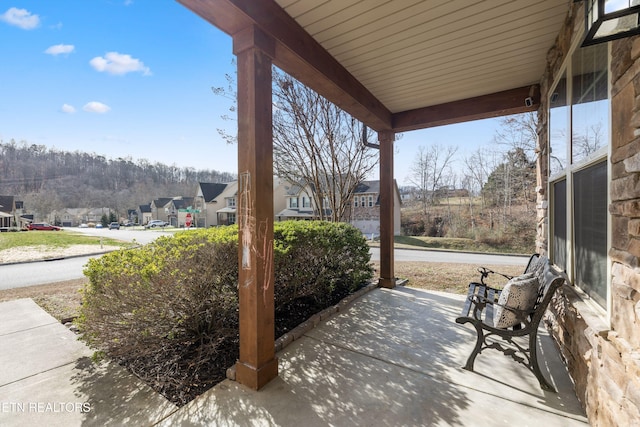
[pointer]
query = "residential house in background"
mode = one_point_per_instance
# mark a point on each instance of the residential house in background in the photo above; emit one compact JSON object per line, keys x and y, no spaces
{"x":144,"y":214}
{"x":364,"y":213}
{"x":208,"y":202}
{"x":217,"y":202}
{"x":8,"y":216}
{"x":178,"y":209}
{"x":160,"y":208}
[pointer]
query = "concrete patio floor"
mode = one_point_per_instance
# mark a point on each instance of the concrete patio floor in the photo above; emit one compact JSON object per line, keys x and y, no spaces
{"x":392,"y":358}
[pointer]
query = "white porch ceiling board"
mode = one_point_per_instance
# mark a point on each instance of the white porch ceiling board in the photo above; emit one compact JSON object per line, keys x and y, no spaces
{"x":443,"y":41}
{"x":411,"y":53}
{"x":408,"y":63}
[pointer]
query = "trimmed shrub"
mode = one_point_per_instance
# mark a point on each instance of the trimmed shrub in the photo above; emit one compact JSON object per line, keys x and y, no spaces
{"x":317,"y":263}
{"x":166,"y":309}
{"x":169,"y":310}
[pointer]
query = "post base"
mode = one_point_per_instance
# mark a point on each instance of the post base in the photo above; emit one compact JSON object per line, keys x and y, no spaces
{"x":256,"y":378}
{"x":386,"y":283}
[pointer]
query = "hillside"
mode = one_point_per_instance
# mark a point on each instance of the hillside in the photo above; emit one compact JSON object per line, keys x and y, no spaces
{"x":47,"y":179}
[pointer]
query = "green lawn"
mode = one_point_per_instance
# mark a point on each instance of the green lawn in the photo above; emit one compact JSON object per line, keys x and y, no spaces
{"x":446,"y":243}
{"x":53,"y":239}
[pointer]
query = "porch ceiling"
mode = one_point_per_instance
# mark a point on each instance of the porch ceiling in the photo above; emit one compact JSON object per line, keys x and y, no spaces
{"x":406,"y":64}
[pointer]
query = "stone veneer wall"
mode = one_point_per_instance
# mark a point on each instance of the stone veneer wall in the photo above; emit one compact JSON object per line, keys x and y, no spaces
{"x":603,"y":357}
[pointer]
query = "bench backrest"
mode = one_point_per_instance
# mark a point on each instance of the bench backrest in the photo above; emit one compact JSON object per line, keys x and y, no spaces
{"x":548,"y":281}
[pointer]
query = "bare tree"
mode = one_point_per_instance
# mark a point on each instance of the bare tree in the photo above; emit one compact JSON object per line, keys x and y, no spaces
{"x":587,"y":143}
{"x":519,"y":132}
{"x":316,"y":144}
{"x":319,"y":146}
{"x":429,"y":170}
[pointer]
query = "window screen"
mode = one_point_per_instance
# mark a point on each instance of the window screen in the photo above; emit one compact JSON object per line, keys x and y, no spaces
{"x":560,"y":224}
{"x":590,"y":212}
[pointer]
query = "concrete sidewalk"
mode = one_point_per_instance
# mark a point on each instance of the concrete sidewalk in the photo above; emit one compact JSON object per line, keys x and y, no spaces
{"x":48,"y":379}
{"x":392,"y":358}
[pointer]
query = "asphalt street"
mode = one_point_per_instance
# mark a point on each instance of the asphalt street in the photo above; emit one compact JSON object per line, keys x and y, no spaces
{"x":44,"y":272}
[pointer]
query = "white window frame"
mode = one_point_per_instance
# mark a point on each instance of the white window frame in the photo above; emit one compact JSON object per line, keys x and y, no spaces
{"x":569,"y":171}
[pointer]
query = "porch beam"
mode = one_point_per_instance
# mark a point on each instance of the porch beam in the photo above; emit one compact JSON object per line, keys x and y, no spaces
{"x":497,"y":104}
{"x":387,"y":187}
{"x":257,"y":364}
{"x":298,"y":54}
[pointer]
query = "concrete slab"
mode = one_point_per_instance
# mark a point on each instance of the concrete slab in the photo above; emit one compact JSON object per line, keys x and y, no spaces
{"x":79,"y":394}
{"x":393,"y":358}
{"x":47,"y":377}
{"x":22,"y":314}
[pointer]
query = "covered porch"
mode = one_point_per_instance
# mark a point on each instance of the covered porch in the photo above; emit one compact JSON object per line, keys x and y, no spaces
{"x":395,"y":66}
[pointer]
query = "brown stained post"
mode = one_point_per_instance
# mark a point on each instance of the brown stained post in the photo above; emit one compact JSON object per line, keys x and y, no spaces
{"x":387,"y":274}
{"x":257,"y":364}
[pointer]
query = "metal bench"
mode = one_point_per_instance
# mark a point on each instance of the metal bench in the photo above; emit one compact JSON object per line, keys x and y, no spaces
{"x":479,"y":311}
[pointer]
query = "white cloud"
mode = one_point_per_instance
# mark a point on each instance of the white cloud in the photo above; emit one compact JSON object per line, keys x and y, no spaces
{"x":119,"y":64}
{"x":60,"y":49}
{"x":20,"y":18}
{"x":96,"y":107}
{"x":69,"y":109}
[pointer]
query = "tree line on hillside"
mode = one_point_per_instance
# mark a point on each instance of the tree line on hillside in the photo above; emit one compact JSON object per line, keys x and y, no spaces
{"x":48,"y":179}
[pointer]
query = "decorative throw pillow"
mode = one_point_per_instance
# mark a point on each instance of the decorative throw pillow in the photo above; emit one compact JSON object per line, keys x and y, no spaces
{"x":519,"y":293}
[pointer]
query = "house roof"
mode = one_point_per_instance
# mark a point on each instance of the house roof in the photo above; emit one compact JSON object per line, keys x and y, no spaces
{"x":183,"y":203}
{"x":162,"y":201}
{"x":211,"y":190}
{"x":6,"y":204}
{"x":368,"y":187}
{"x":145,"y":208}
{"x":406,"y":64}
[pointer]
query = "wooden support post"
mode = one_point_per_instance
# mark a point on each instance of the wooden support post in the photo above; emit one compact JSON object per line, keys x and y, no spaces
{"x":387,"y":192}
{"x":257,"y":364}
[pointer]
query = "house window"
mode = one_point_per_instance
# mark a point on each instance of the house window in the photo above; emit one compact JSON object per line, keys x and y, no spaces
{"x":231,"y":202}
{"x":370,"y":201}
{"x":363,"y":201}
{"x":293,"y":202}
{"x":231,"y":218}
{"x":306,"y":202}
{"x":355,"y":202}
{"x":579,"y":134}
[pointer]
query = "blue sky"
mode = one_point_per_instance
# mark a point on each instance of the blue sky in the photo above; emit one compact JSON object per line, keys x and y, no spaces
{"x":133,"y":78}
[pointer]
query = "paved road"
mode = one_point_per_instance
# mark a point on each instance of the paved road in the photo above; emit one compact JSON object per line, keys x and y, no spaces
{"x":141,"y":236}
{"x":454,"y":257}
{"x":40,"y":273}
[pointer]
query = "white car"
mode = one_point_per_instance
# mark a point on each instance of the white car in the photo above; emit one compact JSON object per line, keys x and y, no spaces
{"x":155,"y":223}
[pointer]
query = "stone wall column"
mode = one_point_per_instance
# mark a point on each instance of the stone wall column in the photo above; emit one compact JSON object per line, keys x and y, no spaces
{"x":257,"y":364}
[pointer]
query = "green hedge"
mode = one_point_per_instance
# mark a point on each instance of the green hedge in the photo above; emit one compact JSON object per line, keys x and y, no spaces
{"x":169,"y":310}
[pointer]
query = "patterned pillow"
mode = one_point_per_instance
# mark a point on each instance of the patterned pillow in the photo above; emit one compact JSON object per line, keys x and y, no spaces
{"x":519,"y":293}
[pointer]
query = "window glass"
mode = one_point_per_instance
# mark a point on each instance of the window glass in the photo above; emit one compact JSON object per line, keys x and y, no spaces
{"x":558,"y":125}
{"x":590,"y":103}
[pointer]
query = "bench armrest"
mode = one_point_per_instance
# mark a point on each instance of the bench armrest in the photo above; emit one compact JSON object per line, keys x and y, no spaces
{"x":485,"y":272}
